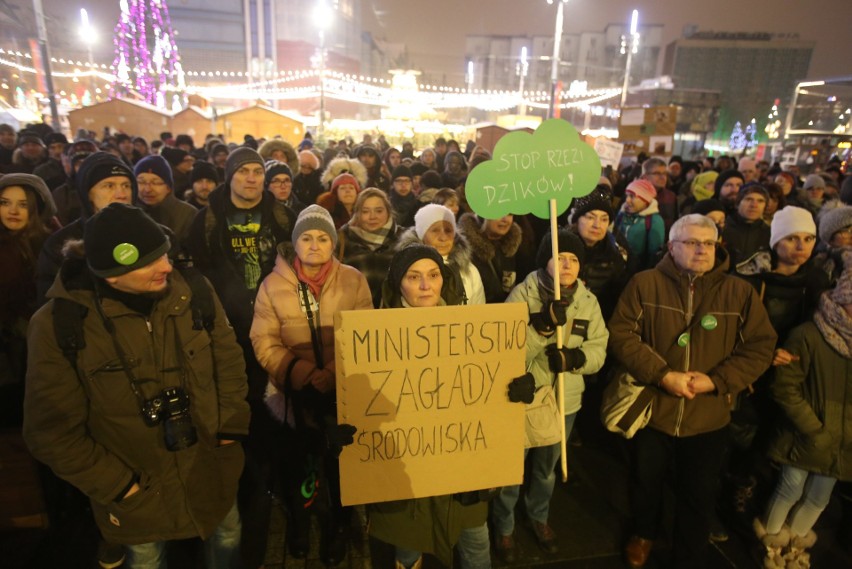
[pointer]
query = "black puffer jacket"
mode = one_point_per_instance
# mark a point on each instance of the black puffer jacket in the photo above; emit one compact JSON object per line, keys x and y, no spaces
{"x":604,"y":272}
{"x":743,"y":239}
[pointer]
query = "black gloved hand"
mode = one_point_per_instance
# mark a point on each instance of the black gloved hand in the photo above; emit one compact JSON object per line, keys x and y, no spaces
{"x":565,"y":359}
{"x":552,"y":315}
{"x":522,"y":389}
{"x":339,"y":436}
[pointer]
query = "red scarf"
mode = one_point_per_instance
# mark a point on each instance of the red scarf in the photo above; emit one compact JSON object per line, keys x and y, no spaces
{"x":316,"y":282}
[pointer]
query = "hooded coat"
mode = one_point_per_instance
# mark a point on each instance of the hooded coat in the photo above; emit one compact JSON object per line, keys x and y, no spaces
{"x":495,"y":260}
{"x":267,"y":148}
{"x":88,"y":429}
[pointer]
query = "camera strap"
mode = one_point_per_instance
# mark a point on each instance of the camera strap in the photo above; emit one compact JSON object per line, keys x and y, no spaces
{"x":125,"y":363}
{"x":310,"y":306}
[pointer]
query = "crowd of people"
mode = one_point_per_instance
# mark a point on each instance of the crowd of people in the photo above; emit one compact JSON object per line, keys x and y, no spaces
{"x":168,"y":347}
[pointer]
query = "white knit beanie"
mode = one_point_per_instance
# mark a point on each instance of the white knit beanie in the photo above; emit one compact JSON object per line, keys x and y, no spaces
{"x":428,"y":215}
{"x":791,"y":220}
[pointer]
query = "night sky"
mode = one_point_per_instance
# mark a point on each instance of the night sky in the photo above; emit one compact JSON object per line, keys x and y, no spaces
{"x":435,"y":30}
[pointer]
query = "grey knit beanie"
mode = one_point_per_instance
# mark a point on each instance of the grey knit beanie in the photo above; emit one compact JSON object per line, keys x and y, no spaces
{"x":833,"y":221}
{"x":314,"y":217}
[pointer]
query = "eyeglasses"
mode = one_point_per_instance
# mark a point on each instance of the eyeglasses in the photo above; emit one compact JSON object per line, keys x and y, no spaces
{"x":150,"y":183}
{"x":694,"y":243}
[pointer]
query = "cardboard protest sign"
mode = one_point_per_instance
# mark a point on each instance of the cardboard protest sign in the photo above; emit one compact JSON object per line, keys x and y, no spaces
{"x":528,"y":170}
{"x":609,"y":152}
{"x":426,"y":389}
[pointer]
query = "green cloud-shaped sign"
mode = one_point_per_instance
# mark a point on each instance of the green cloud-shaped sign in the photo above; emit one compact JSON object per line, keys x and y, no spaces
{"x":528,"y":170}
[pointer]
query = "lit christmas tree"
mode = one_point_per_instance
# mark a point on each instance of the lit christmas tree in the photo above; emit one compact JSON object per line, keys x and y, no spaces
{"x":751,"y":134}
{"x":151,"y":68}
{"x":738,"y":137}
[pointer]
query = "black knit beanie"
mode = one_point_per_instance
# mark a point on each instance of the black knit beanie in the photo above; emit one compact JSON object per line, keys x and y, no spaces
{"x":599,"y":199}
{"x":239,"y":158}
{"x":402,"y":171}
{"x":724,"y":177}
{"x":99,"y":166}
{"x":173,"y":155}
{"x":273,"y":168}
{"x":406,"y":257}
{"x":568,"y":243}
{"x":121,"y":238}
{"x":202,"y":170}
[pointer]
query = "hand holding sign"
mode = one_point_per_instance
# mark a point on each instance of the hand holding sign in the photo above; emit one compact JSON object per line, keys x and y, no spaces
{"x":528,"y":170}
{"x":538,"y":173}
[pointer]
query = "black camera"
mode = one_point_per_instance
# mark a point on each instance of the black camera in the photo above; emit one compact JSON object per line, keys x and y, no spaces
{"x":171,"y":408}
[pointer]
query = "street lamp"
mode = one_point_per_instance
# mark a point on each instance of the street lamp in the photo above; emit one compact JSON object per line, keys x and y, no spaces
{"x":630,"y":47}
{"x":522,"y":69}
{"x":322,"y":20}
{"x":554,"y":63}
{"x":87,"y":34}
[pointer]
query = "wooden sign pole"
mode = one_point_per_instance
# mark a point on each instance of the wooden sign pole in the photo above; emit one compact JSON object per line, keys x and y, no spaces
{"x":557,"y":295}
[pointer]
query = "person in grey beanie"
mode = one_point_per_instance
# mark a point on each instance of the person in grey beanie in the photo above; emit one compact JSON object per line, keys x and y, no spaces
{"x":835,"y":232}
{"x":291,"y":334}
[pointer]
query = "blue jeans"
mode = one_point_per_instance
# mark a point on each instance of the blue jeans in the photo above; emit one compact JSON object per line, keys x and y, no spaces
{"x":542,"y":480}
{"x":221,"y":550}
{"x":473,"y":549}
{"x":805,"y":491}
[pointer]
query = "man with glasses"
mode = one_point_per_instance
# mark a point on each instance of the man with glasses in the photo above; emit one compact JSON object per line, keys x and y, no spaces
{"x":696,"y":337}
{"x":157,"y":198}
{"x":234,"y":242}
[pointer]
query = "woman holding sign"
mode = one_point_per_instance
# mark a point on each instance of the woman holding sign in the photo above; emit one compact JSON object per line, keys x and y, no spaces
{"x":583,"y":353}
{"x":293,"y":337}
{"x":435,"y":225}
{"x":418,"y":278}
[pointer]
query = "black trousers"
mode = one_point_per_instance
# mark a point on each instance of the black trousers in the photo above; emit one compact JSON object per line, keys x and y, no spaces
{"x":696,"y":463}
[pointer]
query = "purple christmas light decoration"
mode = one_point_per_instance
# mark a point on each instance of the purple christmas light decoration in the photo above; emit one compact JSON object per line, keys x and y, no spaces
{"x":153,"y":68}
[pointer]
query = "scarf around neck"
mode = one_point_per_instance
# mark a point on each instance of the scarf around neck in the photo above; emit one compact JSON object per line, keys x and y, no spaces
{"x":834,"y":324}
{"x":316,"y":282}
{"x":545,"y":288}
{"x":377,"y":238}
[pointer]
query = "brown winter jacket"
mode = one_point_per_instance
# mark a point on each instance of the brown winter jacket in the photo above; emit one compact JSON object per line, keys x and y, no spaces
{"x":89,"y":429}
{"x":280,"y":332}
{"x":657,"y":306}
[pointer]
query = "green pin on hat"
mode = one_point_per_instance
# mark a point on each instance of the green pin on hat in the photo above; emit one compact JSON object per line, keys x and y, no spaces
{"x":683,"y":340}
{"x":709,"y":322}
{"x":125,"y":254}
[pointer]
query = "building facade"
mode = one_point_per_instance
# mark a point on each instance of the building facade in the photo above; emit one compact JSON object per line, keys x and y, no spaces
{"x":751,"y":70}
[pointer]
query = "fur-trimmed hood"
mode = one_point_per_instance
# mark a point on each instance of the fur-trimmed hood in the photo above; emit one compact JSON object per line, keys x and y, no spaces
{"x":459,"y":256}
{"x":339,"y":166}
{"x":482,"y":247}
{"x":270,"y":146}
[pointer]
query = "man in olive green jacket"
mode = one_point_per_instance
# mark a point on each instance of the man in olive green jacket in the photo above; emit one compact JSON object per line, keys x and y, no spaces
{"x":143,"y":414}
{"x":697,"y":337}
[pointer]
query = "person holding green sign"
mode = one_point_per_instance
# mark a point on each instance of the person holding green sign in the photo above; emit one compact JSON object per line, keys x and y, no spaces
{"x":583,"y":353}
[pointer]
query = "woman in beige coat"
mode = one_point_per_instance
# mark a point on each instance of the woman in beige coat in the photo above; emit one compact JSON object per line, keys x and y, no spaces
{"x":293,"y":338}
